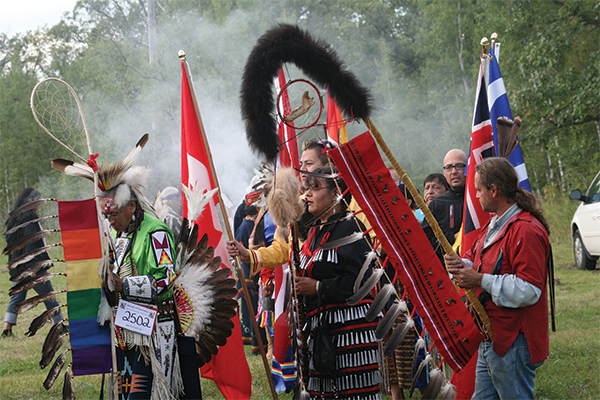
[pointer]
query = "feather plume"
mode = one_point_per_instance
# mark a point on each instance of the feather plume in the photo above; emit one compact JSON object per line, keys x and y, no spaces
{"x":380,"y":301}
{"x":52,"y":336}
{"x":68,"y":393}
{"x":398,"y":336}
{"x":105,"y":313}
{"x":288,"y":43}
{"x":507,"y":135}
{"x":448,"y":392}
{"x":196,"y":199}
{"x":25,"y":240}
{"x":31,"y":221}
{"x":30,"y":270}
{"x":366,"y":287}
{"x":73,"y":169}
{"x":31,"y":255}
{"x":29,"y":206}
{"x":41,"y":320}
{"x":416,"y":376}
{"x":29,"y":283}
{"x":346,"y":240}
{"x":436,"y":380}
{"x":53,"y":373}
{"x":283,"y":202}
{"x":49,"y":355}
{"x":34,"y":301}
{"x":363,"y":270}
{"x":386,"y":323}
{"x":419,"y":345}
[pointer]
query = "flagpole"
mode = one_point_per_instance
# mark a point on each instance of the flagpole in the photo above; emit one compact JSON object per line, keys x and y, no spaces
{"x":240,"y":273}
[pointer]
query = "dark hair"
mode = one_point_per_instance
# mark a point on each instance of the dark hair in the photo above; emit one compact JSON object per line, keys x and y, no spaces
{"x":26,"y":195}
{"x":330,"y":183}
{"x":319,"y":146}
{"x":436,"y":175}
{"x":500,"y":172}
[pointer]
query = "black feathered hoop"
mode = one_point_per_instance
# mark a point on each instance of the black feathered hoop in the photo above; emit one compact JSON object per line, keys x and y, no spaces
{"x":288,"y":43}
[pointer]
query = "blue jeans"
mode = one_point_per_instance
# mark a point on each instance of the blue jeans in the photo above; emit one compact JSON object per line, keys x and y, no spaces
{"x":11,"y":315}
{"x":509,"y":377}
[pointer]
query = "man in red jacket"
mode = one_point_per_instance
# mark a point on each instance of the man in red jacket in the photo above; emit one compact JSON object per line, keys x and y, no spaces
{"x":508,"y":267}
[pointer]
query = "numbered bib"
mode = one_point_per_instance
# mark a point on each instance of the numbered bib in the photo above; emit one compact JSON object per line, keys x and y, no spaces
{"x":136,"y":318}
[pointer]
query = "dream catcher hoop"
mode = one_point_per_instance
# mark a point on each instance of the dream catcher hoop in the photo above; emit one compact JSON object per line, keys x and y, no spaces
{"x":299,"y":104}
{"x":57,"y":110}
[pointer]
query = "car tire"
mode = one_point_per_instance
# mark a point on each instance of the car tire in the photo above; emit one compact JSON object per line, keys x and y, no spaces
{"x":582,"y":257}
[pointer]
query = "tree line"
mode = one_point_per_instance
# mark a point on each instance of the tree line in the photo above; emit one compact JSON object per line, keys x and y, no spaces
{"x":418,"y":57}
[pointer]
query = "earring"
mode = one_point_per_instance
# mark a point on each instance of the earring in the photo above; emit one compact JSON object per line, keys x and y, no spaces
{"x":133,"y":218}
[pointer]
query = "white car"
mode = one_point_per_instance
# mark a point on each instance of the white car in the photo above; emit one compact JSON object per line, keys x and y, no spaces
{"x":585,"y":226}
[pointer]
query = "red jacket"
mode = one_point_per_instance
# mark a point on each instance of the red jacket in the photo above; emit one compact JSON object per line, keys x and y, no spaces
{"x":522,"y":249}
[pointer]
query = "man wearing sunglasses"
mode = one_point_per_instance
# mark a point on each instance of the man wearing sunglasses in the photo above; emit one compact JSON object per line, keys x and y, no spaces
{"x":448,"y":208}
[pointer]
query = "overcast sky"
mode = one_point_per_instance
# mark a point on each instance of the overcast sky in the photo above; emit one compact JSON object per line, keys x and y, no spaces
{"x":19,"y":16}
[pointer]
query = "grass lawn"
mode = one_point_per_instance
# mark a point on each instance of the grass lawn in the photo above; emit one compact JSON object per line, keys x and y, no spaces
{"x":570,"y":372}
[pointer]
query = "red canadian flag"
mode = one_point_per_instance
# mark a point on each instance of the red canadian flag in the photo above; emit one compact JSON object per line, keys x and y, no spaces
{"x":229,"y":368}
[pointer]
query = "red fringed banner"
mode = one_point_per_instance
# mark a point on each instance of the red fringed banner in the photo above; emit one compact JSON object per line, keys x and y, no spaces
{"x":430,"y":290}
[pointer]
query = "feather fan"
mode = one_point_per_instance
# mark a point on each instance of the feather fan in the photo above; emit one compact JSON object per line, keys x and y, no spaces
{"x":29,"y":206}
{"x":288,"y":43}
{"x":210,"y":290}
{"x":31,"y":221}
{"x":34,"y":301}
{"x":30,"y":283}
{"x":41,"y":320}
{"x":25,"y":240}
{"x":54,"y":371}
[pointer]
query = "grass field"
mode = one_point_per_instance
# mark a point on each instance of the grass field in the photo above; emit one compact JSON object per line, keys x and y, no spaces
{"x":570,"y":372}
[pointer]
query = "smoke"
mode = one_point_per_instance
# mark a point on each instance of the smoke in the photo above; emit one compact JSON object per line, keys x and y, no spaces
{"x":216,"y":54}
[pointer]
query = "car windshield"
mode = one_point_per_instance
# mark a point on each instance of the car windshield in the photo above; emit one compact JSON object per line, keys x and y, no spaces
{"x":594,"y":189}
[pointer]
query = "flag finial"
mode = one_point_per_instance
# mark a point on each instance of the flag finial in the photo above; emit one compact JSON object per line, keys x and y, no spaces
{"x":484,"y":44}
{"x":181,"y":55}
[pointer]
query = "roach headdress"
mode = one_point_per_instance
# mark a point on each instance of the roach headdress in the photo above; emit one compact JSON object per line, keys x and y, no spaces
{"x":288,"y":43}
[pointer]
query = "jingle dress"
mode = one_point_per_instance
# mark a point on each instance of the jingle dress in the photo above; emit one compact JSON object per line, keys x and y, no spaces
{"x":357,"y":375}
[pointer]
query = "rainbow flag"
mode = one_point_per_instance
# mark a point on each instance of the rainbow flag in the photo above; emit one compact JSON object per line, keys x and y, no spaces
{"x":82,"y":247}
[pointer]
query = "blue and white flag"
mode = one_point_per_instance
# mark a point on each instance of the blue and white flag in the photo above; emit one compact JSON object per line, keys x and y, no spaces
{"x":499,"y":107}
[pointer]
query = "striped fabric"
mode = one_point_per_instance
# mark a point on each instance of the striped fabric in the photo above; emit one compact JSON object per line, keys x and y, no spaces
{"x":81,"y":240}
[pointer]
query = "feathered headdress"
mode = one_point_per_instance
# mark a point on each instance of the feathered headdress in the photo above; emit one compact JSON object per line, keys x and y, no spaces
{"x":127,"y":179}
{"x":288,"y":43}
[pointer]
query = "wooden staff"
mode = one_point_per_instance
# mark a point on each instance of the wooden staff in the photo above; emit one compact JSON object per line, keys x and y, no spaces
{"x":227,"y":226}
{"x":432,"y":222}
